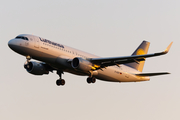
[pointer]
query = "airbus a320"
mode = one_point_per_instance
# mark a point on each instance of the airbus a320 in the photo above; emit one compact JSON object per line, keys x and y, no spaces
{"x":61,"y":58}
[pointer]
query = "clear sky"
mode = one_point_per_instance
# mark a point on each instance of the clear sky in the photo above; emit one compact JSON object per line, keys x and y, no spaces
{"x":107,"y":28}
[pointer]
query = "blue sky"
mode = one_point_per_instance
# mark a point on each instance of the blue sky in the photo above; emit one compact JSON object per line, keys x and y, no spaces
{"x":101,"y":27}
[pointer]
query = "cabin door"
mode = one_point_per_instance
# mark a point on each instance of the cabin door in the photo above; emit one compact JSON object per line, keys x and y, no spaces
{"x":36,"y":43}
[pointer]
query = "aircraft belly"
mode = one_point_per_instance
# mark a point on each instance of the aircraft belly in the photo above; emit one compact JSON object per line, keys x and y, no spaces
{"x":112,"y":75}
{"x":107,"y":75}
{"x":42,"y":56}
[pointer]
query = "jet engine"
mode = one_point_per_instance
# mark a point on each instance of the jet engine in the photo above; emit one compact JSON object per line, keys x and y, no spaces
{"x":36,"y":68}
{"x":81,"y":64}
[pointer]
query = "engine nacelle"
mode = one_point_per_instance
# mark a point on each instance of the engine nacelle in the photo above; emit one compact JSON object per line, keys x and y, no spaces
{"x":36,"y":68}
{"x":81,"y":64}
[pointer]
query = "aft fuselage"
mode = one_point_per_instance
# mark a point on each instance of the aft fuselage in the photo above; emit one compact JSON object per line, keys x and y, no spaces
{"x":60,"y":56}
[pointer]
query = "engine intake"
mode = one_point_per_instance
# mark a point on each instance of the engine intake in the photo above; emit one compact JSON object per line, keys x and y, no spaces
{"x":81,"y":64}
{"x":36,"y":68}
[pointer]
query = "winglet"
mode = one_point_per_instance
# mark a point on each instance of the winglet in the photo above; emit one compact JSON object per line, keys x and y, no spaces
{"x":167,"y":49}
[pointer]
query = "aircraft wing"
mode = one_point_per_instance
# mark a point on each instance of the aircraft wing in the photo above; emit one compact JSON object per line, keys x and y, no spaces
{"x":110,"y":61}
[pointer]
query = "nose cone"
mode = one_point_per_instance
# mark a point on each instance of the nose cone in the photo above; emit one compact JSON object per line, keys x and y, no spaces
{"x":16,"y":46}
{"x":13,"y":44}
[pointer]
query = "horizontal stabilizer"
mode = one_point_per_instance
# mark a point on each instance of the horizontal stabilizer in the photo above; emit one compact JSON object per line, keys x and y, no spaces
{"x":151,"y":74}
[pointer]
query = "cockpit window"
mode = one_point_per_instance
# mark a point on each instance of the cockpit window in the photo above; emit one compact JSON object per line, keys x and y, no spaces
{"x":22,"y":37}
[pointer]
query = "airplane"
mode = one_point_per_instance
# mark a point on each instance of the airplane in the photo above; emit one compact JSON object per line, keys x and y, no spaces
{"x":52,"y":56}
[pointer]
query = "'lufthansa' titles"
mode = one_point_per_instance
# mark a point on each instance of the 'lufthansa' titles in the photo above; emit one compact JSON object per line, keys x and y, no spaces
{"x":50,"y":42}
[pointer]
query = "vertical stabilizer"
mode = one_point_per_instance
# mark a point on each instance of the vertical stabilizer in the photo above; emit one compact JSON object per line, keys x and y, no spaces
{"x":141,"y":50}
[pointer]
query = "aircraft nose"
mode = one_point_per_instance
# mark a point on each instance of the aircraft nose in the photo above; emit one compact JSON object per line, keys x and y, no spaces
{"x":12,"y":44}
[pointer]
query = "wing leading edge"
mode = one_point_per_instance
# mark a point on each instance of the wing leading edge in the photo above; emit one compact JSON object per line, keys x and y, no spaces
{"x":110,"y":61}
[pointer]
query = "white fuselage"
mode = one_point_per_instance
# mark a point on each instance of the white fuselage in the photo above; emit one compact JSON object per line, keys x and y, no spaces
{"x":59,"y":57}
